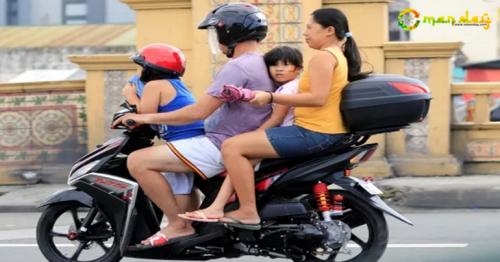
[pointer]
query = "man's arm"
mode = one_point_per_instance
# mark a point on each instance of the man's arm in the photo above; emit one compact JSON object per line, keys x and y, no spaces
{"x":198,"y":111}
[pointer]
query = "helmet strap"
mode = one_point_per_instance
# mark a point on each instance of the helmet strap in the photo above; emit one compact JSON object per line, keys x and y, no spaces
{"x":230,"y":50}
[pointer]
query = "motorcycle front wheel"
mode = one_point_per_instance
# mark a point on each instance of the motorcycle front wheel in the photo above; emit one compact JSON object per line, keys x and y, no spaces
{"x":60,"y":236}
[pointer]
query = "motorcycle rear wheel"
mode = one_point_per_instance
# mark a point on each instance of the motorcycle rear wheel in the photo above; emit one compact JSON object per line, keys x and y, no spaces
{"x":57,"y":235}
{"x":369,"y":236}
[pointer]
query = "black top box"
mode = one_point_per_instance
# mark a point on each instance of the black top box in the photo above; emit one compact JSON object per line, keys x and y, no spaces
{"x":383,"y":103}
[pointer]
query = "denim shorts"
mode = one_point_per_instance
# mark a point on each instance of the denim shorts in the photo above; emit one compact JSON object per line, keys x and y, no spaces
{"x":295,"y":141}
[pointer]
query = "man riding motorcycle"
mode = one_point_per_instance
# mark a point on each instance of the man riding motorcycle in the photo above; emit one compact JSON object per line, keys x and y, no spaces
{"x":237,"y":30}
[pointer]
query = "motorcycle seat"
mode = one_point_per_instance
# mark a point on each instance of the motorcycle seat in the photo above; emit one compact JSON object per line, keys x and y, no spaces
{"x":268,"y":165}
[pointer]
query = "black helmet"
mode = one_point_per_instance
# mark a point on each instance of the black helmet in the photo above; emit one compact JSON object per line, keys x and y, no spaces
{"x":235,"y":23}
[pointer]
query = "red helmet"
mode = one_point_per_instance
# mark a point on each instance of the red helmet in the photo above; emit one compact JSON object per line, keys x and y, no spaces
{"x":162,"y":57}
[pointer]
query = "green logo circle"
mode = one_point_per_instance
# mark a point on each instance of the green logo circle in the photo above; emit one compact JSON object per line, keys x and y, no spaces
{"x":408,"y":19}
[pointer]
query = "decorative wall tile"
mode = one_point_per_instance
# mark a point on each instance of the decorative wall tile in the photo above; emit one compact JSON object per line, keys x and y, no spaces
{"x":416,"y":135}
{"x":418,"y":68}
{"x":53,"y":126}
{"x":14,"y":129}
{"x":483,"y":150}
{"x":284,"y":19}
{"x":114,"y":81}
{"x":39,"y":129}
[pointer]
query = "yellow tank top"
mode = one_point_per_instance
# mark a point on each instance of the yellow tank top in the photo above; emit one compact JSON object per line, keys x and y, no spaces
{"x":326,"y":119}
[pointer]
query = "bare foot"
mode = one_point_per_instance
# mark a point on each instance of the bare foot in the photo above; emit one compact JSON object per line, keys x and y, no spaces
{"x":246,"y":217}
{"x":206,"y":213}
{"x":173,"y":231}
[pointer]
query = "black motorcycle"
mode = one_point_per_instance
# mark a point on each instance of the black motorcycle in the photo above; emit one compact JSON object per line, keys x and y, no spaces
{"x":311,"y":209}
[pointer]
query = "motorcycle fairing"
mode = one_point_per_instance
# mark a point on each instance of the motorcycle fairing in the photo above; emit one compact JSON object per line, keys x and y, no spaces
{"x":317,"y":168}
{"x":66,"y":195}
{"x":374,"y":200}
{"x":110,"y":148}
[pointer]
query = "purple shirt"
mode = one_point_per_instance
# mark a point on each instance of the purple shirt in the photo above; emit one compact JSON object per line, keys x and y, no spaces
{"x":247,"y":70}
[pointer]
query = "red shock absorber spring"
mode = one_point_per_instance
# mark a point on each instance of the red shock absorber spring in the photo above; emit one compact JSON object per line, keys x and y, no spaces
{"x":338,"y":202}
{"x":322,"y":196}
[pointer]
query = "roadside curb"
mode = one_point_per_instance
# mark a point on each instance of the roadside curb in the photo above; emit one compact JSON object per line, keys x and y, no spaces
{"x":477,"y":191}
{"x":27,"y":198}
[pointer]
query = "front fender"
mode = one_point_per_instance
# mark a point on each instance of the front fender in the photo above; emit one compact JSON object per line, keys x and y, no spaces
{"x":374,"y":200}
{"x":70,"y":194}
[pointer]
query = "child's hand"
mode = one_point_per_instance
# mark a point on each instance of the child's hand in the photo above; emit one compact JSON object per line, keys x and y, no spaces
{"x":261,"y":98}
{"x":128,"y":90}
{"x":137,"y":120}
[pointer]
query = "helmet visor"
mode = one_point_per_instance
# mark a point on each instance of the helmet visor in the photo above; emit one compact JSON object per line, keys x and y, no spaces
{"x":138,"y":59}
{"x":213,"y":41}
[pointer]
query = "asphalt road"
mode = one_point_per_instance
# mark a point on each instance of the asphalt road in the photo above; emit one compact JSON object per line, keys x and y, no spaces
{"x":438,"y":235}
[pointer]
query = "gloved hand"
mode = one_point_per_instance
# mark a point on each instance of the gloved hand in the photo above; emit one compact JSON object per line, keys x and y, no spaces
{"x":232,"y":93}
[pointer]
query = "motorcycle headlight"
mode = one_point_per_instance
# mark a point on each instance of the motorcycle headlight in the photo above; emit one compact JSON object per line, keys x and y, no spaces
{"x":83,"y":170}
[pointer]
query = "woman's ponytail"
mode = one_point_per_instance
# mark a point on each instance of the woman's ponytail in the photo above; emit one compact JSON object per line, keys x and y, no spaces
{"x":351,"y":53}
{"x":334,"y":17}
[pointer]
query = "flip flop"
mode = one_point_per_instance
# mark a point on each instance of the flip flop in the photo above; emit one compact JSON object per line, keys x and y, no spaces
{"x":198,"y":216}
{"x":158,"y":240}
{"x":233,"y":222}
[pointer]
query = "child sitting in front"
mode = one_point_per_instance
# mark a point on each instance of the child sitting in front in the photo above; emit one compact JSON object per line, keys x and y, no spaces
{"x":159,"y":88}
{"x":284,"y":65}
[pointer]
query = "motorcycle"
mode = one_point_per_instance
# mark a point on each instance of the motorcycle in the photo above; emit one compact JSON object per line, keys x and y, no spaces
{"x":311,"y":210}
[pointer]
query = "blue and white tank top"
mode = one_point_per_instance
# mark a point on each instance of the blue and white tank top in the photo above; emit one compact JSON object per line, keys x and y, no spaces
{"x":183,"y":98}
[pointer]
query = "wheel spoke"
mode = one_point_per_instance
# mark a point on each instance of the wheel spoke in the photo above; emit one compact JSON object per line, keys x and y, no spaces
{"x":358,"y":241}
{"x":76,"y":220}
{"x":78,"y":251}
{"x":103,"y":246}
{"x":87,"y":221}
{"x":57,"y":234}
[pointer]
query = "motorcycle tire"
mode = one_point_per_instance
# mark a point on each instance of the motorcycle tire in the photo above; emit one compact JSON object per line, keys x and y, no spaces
{"x":45,"y":234}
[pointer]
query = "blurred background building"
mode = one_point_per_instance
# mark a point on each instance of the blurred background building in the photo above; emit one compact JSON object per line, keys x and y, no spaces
{"x":36,"y":36}
{"x":64,"y":12}
{"x":32,"y":23}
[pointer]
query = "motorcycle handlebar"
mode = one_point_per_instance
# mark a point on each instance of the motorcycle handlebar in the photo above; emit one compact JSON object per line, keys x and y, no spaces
{"x":130,"y":122}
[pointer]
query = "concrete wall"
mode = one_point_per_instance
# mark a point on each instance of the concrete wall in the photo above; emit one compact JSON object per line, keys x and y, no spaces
{"x":16,"y":61}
